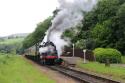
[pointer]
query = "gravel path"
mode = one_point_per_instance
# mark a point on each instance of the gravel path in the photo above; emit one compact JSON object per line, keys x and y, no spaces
{"x":119,"y":65}
{"x":58,"y":77}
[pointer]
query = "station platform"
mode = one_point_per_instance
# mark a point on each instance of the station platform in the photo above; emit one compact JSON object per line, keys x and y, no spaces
{"x":70,"y":61}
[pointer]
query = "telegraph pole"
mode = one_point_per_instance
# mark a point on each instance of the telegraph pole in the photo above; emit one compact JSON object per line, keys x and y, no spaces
{"x":73,"y":49}
{"x":84,"y":51}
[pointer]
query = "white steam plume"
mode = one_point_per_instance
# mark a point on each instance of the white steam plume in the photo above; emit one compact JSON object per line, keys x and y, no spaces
{"x":70,"y":15}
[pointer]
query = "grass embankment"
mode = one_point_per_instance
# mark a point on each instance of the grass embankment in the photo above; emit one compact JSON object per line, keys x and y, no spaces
{"x":13,"y":69}
{"x":116,"y":72}
{"x":12,"y":41}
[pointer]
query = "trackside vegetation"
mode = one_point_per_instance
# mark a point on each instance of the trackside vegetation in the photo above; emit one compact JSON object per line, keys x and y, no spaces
{"x":102,"y":54}
{"x":123,"y":59}
{"x":11,"y":41}
{"x":14,"y":69}
{"x":115,"y":72}
{"x":11,"y":45}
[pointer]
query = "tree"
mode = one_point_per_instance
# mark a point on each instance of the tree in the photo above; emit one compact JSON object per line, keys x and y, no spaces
{"x":105,"y":25}
{"x":38,"y":34}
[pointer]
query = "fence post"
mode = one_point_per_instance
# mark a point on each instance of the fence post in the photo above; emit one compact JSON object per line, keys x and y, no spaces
{"x":107,"y":63}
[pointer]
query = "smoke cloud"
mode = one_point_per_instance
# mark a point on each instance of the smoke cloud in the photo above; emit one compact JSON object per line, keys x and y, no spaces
{"x":70,"y":15}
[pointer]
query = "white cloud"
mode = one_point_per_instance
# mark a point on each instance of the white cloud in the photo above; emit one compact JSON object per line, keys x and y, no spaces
{"x":18,"y":16}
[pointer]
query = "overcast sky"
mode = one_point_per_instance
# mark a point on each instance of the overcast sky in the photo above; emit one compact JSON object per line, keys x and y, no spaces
{"x":21,"y":16}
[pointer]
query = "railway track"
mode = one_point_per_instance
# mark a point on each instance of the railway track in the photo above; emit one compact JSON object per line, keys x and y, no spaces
{"x":83,"y":77}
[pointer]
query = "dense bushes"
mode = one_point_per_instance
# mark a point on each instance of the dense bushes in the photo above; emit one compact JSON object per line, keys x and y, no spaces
{"x":105,"y":25}
{"x":102,"y":54}
{"x":13,"y":46}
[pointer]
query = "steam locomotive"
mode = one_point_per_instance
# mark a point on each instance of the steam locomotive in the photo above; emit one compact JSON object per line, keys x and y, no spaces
{"x":45,"y":53}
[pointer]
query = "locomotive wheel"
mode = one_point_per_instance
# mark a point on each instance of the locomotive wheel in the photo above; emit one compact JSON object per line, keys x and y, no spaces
{"x":50,"y":61}
{"x":43,"y":61}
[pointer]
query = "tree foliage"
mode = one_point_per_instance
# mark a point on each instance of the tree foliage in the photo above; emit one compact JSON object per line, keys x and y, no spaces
{"x":38,"y":34}
{"x":13,"y":46}
{"x":104,"y":26}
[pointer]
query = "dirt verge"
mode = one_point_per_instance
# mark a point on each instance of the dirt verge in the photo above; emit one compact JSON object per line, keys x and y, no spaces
{"x":55,"y":75}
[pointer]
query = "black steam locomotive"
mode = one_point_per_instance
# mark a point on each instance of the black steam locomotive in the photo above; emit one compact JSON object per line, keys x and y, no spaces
{"x":45,"y":53}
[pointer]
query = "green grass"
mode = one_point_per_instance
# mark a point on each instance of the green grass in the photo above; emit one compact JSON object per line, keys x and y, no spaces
{"x":12,"y":41}
{"x":113,"y":71}
{"x":13,"y":69}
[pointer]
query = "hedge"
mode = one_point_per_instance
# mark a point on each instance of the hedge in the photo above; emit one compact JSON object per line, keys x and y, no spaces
{"x":102,"y":54}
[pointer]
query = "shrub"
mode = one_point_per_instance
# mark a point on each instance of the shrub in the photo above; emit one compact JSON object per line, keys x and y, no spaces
{"x":123,"y":59}
{"x":102,"y":54}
